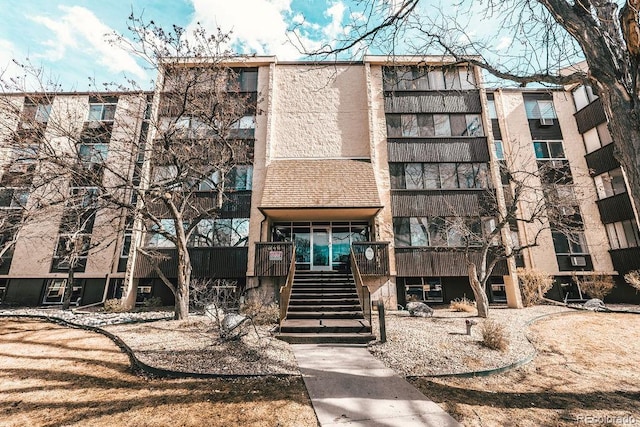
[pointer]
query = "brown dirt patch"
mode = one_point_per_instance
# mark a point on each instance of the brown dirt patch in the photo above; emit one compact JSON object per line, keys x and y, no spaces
{"x":586,"y":371}
{"x":53,"y":376}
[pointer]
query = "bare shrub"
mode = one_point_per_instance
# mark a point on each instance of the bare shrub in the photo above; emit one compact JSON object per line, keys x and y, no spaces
{"x":633,"y":279}
{"x":463,"y":304}
{"x":494,"y":335}
{"x":261,"y":313}
{"x":114,"y":306}
{"x":533,"y":285}
{"x":152,"y":302}
{"x":598,"y":285}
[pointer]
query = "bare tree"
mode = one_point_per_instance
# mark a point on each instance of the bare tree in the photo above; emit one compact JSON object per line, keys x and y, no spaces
{"x":158,"y":163}
{"x":540,"y":198}
{"x":525,"y":41}
{"x":197,"y":147}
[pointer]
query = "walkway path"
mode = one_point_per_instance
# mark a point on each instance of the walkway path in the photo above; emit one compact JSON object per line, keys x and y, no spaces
{"x":348,"y":386}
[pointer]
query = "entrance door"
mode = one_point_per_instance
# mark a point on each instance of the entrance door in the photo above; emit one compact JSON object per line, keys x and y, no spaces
{"x":321,"y":248}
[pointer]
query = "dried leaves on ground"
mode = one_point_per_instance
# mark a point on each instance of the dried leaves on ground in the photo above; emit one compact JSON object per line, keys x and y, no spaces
{"x":586,"y":371}
{"x":54,"y":376}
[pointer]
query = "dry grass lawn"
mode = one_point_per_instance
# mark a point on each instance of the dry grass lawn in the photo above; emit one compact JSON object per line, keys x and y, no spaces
{"x":52,"y":376}
{"x":587,"y":372}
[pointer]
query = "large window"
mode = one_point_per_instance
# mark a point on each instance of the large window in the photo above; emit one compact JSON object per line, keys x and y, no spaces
{"x":548,"y":149}
{"x":431,"y":176}
{"x":583,"y":96}
{"x":102,"y":112}
{"x":93,"y":153}
{"x":13,"y":197}
{"x":208,"y":233}
{"x":424,"y":78}
{"x":433,"y":125}
{"x":427,"y":289}
{"x":440,"y":232}
{"x":540,"y":109}
{"x":569,"y":243}
{"x":221,"y":232}
{"x":239,"y":178}
{"x":610,"y":183}
{"x":623,"y":234}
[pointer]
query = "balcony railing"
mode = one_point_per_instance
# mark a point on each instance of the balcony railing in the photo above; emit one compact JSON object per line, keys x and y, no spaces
{"x":372,"y":258}
{"x":273,"y":258}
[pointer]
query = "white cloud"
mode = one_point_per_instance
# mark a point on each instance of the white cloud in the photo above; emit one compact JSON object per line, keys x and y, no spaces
{"x":504,"y":43}
{"x":79,"y":29}
{"x":264,"y":26}
{"x":336,"y":13}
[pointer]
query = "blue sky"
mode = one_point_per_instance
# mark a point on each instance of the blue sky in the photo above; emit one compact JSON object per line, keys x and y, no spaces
{"x":67,"y":37}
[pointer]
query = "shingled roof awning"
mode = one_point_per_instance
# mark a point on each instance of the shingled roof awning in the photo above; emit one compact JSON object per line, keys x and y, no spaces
{"x":316,"y":189}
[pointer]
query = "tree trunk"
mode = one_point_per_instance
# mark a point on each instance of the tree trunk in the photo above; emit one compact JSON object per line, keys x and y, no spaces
{"x":68,"y":290}
{"x":181,"y":309}
{"x":130,"y":295}
{"x":624,"y":124}
{"x":482,"y":302}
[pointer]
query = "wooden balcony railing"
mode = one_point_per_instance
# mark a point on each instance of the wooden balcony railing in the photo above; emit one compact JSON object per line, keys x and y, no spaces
{"x":273,"y":259}
{"x":364,"y":295}
{"x":372,"y":258}
{"x":285,"y":290}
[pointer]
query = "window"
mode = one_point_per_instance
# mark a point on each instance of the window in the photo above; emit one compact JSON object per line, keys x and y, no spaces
{"x":37,"y":110}
{"x":591,"y":140}
{"x":498,"y":149}
{"x":226,"y":232}
{"x":623,"y":234}
{"x":432,"y":176}
{"x":539,"y":109}
{"x":442,"y":126}
{"x":247,"y":79}
{"x":243,"y":127}
{"x":164,"y":174}
{"x":93,"y":153}
{"x":438,"y":232}
{"x":126,"y":245}
{"x":83,"y":196}
{"x":610,"y":183}
{"x":102,"y":112}
{"x":240,"y":177}
{"x":158,"y":239}
{"x":427,"y":289}
{"x":583,"y":96}
{"x":569,"y":243}
{"x":433,"y":125}
{"x":491,"y":109}
{"x":548,"y":149}
{"x":13,"y":197}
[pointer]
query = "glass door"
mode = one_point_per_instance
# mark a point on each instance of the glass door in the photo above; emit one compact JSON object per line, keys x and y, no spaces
{"x":320,"y":248}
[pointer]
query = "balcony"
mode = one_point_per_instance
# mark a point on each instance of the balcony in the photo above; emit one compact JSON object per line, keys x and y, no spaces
{"x":216,"y":262}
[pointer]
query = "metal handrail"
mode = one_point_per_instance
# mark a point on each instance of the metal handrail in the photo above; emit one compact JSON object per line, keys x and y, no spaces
{"x":364,"y":295}
{"x":285,"y":290}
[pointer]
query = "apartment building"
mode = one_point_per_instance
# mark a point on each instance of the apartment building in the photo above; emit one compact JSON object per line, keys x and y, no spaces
{"x":384,"y":158}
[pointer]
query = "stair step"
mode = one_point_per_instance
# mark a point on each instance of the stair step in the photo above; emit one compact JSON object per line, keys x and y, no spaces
{"x":320,"y":301}
{"x":324,"y":308}
{"x":324,"y":296}
{"x":325,"y":326}
{"x":296,"y":338}
{"x":325,"y":315}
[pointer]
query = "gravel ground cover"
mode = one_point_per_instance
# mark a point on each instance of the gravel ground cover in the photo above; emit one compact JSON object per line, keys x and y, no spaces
{"x":438,"y":345}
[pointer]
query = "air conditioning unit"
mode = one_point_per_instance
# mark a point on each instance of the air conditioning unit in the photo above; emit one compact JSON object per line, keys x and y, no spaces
{"x":546,"y":122}
{"x":578,"y":261}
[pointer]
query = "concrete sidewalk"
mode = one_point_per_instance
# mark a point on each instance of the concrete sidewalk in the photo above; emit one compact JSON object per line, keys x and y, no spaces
{"x":348,"y":386}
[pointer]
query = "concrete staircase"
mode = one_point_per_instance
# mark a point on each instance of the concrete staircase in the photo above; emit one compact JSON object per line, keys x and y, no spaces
{"x":324,"y":308}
